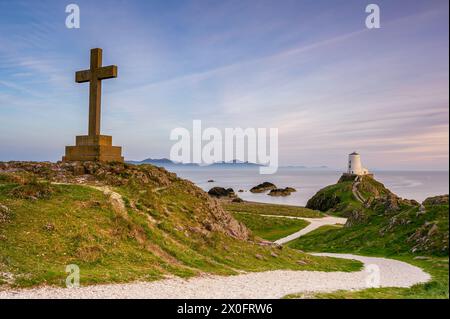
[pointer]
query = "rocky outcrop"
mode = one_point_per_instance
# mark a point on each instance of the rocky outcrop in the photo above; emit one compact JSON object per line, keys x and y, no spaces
{"x":436,"y":200}
{"x":433,"y":235}
{"x":221,"y":192}
{"x":263,"y":187}
{"x":356,"y":217}
{"x":392,"y":204}
{"x":219,"y":220}
{"x":281,"y":191}
{"x":323,"y":201}
{"x":429,"y":238}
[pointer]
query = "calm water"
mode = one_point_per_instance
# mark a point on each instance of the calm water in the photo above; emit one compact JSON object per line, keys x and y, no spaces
{"x":416,"y":185}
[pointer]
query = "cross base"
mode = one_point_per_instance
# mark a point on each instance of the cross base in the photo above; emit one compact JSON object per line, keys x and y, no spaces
{"x":93,"y":148}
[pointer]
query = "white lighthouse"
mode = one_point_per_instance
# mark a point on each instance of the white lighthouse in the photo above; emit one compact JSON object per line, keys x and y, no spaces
{"x":354,"y":165}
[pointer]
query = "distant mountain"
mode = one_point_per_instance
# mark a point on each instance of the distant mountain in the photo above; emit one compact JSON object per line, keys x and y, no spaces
{"x":305,"y":167}
{"x":162,"y":162}
{"x":234,"y":164}
{"x":165,"y":162}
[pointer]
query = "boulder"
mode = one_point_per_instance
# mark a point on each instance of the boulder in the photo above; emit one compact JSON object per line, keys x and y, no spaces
{"x":221,"y":192}
{"x":281,"y":191}
{"x":263,"y":187}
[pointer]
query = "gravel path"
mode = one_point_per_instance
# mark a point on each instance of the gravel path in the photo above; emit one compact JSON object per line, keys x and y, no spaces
{"x":377,"y":272}
{"x":269,"y":284}
{"x":314,"y":223}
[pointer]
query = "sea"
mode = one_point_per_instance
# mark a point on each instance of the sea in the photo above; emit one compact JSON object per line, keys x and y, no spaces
{"x":416,"y":185}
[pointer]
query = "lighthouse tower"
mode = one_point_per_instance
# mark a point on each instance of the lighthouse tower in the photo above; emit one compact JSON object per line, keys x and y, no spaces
{"x":354,"y":165}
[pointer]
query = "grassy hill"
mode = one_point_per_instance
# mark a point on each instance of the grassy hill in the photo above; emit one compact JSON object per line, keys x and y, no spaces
{"x":120,"y":223}
{"x":382,"y":223}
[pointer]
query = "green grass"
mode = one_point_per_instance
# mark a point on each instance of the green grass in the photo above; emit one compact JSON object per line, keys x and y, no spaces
{"x":270,"y":228}
{"x":271,"y":209}
{"x":159,"y":234}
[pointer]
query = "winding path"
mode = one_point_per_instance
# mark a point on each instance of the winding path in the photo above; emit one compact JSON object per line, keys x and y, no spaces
{"x":377,"y":272}
{"x":314,"y":223}
{"x":268,"y":284}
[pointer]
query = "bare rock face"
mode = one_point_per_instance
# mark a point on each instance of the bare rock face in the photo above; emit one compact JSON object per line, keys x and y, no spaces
{"x":263,"y":187}
{"x":222,"y":221}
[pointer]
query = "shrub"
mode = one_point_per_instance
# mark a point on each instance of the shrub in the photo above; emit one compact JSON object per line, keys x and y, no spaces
{"x":33,"y":189}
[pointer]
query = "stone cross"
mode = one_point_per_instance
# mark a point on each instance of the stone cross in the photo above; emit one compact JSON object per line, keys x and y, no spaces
{"x":95,"y":75}
{"x":94,"y":147}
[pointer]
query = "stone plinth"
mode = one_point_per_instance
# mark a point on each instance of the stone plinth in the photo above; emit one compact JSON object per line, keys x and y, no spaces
{"x":93,"y":148}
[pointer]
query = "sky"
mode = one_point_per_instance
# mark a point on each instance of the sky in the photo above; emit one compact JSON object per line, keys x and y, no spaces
{"x":309,"y":68}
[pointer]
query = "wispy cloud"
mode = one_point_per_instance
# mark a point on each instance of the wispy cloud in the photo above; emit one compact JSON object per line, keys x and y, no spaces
{"x":312,"y":70}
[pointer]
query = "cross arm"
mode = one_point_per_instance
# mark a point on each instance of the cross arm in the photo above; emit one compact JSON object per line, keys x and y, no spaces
{"x":83,"y":76}
{"x":107,"y":72}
